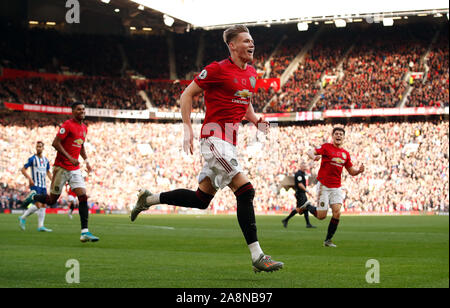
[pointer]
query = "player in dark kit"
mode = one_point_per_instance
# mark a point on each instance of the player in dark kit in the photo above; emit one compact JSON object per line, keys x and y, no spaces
{"x":69,"y":144}
{"x":300,"y":195}
{"x":228,"y":86}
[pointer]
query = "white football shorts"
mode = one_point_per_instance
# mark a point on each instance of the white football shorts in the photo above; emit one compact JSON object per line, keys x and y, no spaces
{"x":221,"y":163}
{"x":62,"y":176}
{"x":328,"y":196}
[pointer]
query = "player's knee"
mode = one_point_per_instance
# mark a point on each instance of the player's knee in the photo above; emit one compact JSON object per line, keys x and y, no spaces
{"x":336,"y":214}
{"x":321,"y":215}
{"x":204,"y":199}
{"x":245,"y":194}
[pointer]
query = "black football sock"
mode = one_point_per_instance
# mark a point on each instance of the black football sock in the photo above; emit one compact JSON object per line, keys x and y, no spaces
{"x":83,"y":210}
{"x":312,"y":209}
{"x":186,"y":198}
{"x":332,"y":227}
{"x":292,"y":214}
{"x":246,"y":213}
{"x":306,"y":214}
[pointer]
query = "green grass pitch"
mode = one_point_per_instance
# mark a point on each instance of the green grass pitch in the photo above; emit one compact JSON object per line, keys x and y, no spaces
{"x":184,"y":251}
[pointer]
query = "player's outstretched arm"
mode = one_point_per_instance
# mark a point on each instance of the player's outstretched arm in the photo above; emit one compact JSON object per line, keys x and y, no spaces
{"x":354,"y":172}
{"x":186,"y":107}
{"x":312,"y":154}
{"x":84,"y":155}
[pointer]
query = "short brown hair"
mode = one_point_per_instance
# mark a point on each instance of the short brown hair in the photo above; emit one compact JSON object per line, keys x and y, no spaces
{"x":230,"y":33}
{"x":40,"y":142}
{"x":338,"y":129}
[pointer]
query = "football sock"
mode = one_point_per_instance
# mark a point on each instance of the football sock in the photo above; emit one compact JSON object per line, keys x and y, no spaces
{"x":153,"y":199}
{"x":83,"y":210}
{"x":32,"y":209}
{"x":292,"y":214}
{"x":312,"y":209}
{"x":186,"y":198}
{"x":255,"y":250}
{"x":306,"y":214}
{"x":246,"y":213}
{"x":41,"y":217}
{"x":332,"y":227}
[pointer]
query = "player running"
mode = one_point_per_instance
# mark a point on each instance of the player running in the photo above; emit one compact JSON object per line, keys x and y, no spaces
{"x":69,"y":144}
{"x":40,"y":169}
{"x":228,"y":86}
{"x":334,"y":159}
{"x":300,"y":195}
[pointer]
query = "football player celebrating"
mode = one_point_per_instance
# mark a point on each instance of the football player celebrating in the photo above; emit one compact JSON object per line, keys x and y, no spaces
{"x":69,"y":144}
{"x":334,"y":159}
{"x":228,"y":86}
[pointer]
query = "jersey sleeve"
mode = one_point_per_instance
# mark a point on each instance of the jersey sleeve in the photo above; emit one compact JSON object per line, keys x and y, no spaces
{"x":209,"y":76}
{"x":321,"y":150}
{"x":29,"y":163}
{"x":63,"y":131}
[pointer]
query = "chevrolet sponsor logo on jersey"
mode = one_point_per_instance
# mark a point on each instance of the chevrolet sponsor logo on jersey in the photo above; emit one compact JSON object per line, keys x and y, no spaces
{"x":78,"y":143}
{"x":338,"y":160}
{"x":244,"y":94}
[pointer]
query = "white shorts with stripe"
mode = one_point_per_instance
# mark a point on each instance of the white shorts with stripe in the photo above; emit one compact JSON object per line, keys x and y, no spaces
{"x":328,"y":196}
{"x":62,"y":176}
{"x":221,"y":163}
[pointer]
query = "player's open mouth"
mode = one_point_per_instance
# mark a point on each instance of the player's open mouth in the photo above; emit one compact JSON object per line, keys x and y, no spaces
{"x":250,"y":51}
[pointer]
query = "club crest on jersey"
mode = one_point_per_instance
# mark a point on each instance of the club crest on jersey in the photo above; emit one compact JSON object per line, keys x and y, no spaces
{"x":344,"y":155}
{"x":62,"y":130}
{"x":203,"y":74}
{"x":253,"y":81}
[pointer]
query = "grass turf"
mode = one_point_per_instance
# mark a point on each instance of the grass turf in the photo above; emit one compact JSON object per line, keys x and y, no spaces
{"x":179,"y":251}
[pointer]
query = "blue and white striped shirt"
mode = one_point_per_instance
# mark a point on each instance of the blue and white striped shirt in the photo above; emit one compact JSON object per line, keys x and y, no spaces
{"x":39,"y":167}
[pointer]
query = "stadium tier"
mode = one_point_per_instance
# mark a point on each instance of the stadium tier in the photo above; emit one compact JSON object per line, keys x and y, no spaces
{"x":361,"y":66}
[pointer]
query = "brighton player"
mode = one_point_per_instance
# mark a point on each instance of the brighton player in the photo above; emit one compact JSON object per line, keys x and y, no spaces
{"x":40,"y":169}
{"x":69,"y":144}
{"x":228,"y":86}
{"x":334,"y":160}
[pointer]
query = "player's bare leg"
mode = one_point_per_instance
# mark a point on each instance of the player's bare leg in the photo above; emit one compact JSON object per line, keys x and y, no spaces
{"x":244,"y":192}
{"x":180,"y":197}
{"x":332,"y":227}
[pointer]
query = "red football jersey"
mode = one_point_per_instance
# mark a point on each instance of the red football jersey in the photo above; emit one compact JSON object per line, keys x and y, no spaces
{"x":334,"y":159}
{"x":228,"y":91}
{"x":72,"y":135}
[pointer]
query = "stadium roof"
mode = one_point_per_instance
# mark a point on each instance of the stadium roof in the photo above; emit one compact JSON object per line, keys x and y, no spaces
{"x":211,"y":14}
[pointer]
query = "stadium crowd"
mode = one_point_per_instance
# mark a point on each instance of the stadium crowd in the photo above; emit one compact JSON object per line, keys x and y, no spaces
{"x":373,"y":74}
{"x":406,"y":163}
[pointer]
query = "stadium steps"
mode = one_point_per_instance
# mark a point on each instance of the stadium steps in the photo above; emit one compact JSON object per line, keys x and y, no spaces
{"x":423,"y":59}
{"x":267,"y":65}
{"x":340,"y":72}
{"x":293,"y":66}
{"x":144,"y":96}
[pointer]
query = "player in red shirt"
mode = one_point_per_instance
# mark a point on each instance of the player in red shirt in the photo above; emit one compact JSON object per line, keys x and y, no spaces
{"x":334,"y":160}
{"x":69,"y":144}
{"x":228,"y":86}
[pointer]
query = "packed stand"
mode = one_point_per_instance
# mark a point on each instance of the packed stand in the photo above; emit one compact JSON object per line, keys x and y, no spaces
{"x":433,"y":90}
{"x":375,"y":69}
{"x":406,"y":163}
{"x":95,"y":92}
